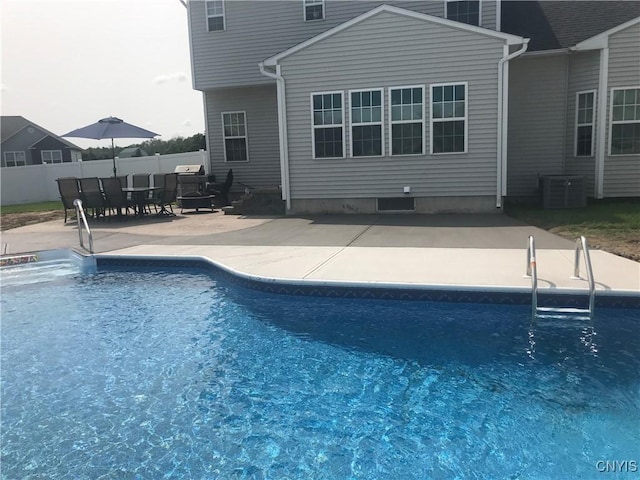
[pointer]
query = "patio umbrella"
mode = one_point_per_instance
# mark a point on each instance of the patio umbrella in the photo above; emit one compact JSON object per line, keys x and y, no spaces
{"x":111,"y":127}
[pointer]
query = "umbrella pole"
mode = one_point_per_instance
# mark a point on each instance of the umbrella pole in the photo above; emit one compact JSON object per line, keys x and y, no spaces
{"x":113,"y":154}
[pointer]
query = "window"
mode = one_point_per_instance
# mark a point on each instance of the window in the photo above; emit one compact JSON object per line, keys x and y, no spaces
{"x":449,"y":118}
{"x":464,"y":11}
{"x":406,"y":105}
{"x":366,"y":114}
{"x":328,"y":127}
{"x":313,"y":10}
{"x":215,"y":15}
{"x":625,"y":121}
{"x":585,"y":114}
{"x":51,"y":156}
{"x":234,"y":126}
{"x":14,"y":159}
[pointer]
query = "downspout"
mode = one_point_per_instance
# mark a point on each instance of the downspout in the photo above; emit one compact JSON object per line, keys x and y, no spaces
{"x":282,"y":131}
{"x":601,"y":126}
{"x":503,"y":114}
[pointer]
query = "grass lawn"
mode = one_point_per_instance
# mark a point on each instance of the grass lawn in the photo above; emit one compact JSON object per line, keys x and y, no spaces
{"x":611,"y":224}
{"x":12,"y":216}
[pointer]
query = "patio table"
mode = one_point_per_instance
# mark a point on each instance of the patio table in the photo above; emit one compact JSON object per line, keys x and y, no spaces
{"x":140,"y":196}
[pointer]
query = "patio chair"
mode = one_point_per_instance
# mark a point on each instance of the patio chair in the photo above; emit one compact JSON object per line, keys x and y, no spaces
{"x":91,"y":196}
{"x":221,"y":190}
{"x":167,"y":195}
{"x":141,"y":180}
{"x":115,"y":198}
{"x":69,"y":191}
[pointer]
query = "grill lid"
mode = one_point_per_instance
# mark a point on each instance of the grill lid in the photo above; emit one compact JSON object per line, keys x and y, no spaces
{"x":189,"y":169}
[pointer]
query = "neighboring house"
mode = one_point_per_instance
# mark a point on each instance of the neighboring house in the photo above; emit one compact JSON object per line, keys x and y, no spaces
{"x":25,"y":143}
{"x":427,"y":106}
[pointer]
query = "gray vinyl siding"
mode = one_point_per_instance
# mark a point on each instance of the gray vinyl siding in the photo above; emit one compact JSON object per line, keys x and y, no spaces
{"x":584,"y":74}
{"x":258,"y":30}
{"x":385,"y":51}
{"x":489,"y":14}
{"x":260,"y":104}
{"x":537,"y":128}
{"x":21,"y":142}
{"x":622,"y":172}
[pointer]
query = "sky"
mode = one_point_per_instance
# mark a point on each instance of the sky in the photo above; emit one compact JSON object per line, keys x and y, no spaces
{"x":68,"y":63}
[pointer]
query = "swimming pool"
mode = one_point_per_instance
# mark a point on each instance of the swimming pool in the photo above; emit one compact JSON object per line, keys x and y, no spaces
{"x":152,"y":373}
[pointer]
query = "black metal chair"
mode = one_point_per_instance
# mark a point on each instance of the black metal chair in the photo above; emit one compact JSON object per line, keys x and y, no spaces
{"x":115,"y":198}
{"x":221,"y":190}
{"x":167,"y":196}
{"x":91,"y":196}
{"x":69,"y":191}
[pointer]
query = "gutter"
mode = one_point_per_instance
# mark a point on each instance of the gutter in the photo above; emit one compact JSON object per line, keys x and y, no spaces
{"x":503,"y":113}
{"x":282,"y":131}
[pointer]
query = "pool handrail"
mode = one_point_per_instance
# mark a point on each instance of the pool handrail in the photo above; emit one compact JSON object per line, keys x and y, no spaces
{"x":83,"y":224}
{"x":581,"y":244}
{"x":532,"y":271}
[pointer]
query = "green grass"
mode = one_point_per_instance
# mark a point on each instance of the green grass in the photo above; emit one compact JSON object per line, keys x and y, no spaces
{"x":31,"y":207}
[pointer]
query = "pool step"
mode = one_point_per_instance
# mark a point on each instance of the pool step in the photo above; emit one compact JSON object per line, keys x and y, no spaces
{"x":563,"y":312}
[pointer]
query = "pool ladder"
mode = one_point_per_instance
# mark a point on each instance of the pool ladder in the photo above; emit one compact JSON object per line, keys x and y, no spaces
{"x":561,"y":312}
{"x":83,"y":224}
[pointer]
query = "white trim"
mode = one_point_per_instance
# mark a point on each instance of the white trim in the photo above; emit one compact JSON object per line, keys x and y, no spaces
{"x":602,"y":122}
{"x":446,"y":13}
{"x":392,"y":122}
{"x":592,"y":124}
{"x":619,"y":122}
{"x":432,"y":120}
{"x":342,"y":125}
{"x":24,"y":158}
{"x":364,"y":124}
{"x":601,"y":40}
{"x":51,"y":160}
{"x":510,"y":39}
{"x":245,"y":136}
{"x":315,"y":3}
{"x":218,"y":15}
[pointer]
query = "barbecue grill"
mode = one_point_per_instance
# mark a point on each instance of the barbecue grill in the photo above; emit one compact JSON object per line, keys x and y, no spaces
{"x":191,"y":178}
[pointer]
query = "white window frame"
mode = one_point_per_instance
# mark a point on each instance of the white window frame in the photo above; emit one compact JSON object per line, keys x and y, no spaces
{"x":310,"y":3}
{"x":215,"y":15}
{"x":366,"y":124}
{"x":245,"y":136}
{"x":22,"y":163}
{"x":396,"y":122}
{"x":314,"y":127}
{"x":591,"y":124}
{"x":619,"y":122}
{"x":446,"y":11}
{"x":51,"y":160}
{"x":449,"y":119}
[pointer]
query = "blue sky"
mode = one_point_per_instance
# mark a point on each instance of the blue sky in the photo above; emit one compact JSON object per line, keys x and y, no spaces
{"x":68,"y":63}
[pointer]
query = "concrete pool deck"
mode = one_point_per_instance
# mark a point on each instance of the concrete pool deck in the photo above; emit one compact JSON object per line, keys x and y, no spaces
{"x":430,"y":250}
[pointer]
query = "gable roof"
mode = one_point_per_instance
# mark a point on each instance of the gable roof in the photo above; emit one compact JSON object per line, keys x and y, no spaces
{"x":506,"y":37}
{"x":13,"y":124}
{"x":555,"y":25}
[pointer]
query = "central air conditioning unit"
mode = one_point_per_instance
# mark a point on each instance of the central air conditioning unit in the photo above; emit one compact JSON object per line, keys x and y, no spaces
{"x":563,"y":191}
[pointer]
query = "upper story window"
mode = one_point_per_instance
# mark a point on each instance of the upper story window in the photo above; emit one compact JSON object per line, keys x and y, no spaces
{"x":366,"y":114}
{"x":14,"y":159}
{"x":625,"y":121}
{"x":449,"y":118}
{"x":406,"y":106}
{"x":234,"y":133}
{"x":51,"y":156}
{"x":328,"y":125}
{"x":585,"y":114}
{"x":467,"y":11}
{"x":313,"y":10}
{"x":215,"y":15}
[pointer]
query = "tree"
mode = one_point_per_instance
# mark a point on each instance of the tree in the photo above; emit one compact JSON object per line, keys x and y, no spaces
{"x":163,"y":147}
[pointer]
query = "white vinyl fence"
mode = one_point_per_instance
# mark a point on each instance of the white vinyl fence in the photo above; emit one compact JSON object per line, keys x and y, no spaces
{"x":37,"y":183}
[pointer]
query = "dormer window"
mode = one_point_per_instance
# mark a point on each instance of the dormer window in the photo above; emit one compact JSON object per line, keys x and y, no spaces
{"x":313,"y":10}
{"x":215,"y":15}
{"x":463,"y":11}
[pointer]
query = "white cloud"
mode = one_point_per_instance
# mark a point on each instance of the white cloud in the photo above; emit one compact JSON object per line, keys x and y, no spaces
{"x":176,"y":76}
{"x":186,"y":123}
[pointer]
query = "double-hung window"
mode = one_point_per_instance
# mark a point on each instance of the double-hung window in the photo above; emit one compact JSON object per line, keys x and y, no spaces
{"x":215,"y":15}
{"x":328,"y":125}
{"x":313,"y":10}
{"x":14,"y":159}
{"x":406,"y":107}
{"x":366,"y":113}
{"x":449,"y":118}
{"x":51,"y":156}
{"x":464,"y":11}
{"x":585,"y":115}
{"x":625,"y":121}
{"x":234,"y":126}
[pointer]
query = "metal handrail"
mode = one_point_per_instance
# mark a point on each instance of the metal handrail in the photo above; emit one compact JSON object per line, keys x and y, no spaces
{"x":82,"y":223}
{"x":532,"y":271}
{"x":581,"y":244}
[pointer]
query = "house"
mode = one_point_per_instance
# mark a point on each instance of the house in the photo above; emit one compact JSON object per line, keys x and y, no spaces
{"x":25,"y":143}
{"x":425,"y":106}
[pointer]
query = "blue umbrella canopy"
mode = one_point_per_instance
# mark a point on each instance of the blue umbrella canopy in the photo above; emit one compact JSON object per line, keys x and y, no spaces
{"x":111,"y":127}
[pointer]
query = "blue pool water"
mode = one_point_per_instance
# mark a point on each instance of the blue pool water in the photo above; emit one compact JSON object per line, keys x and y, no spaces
{"x":173,"y":374}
